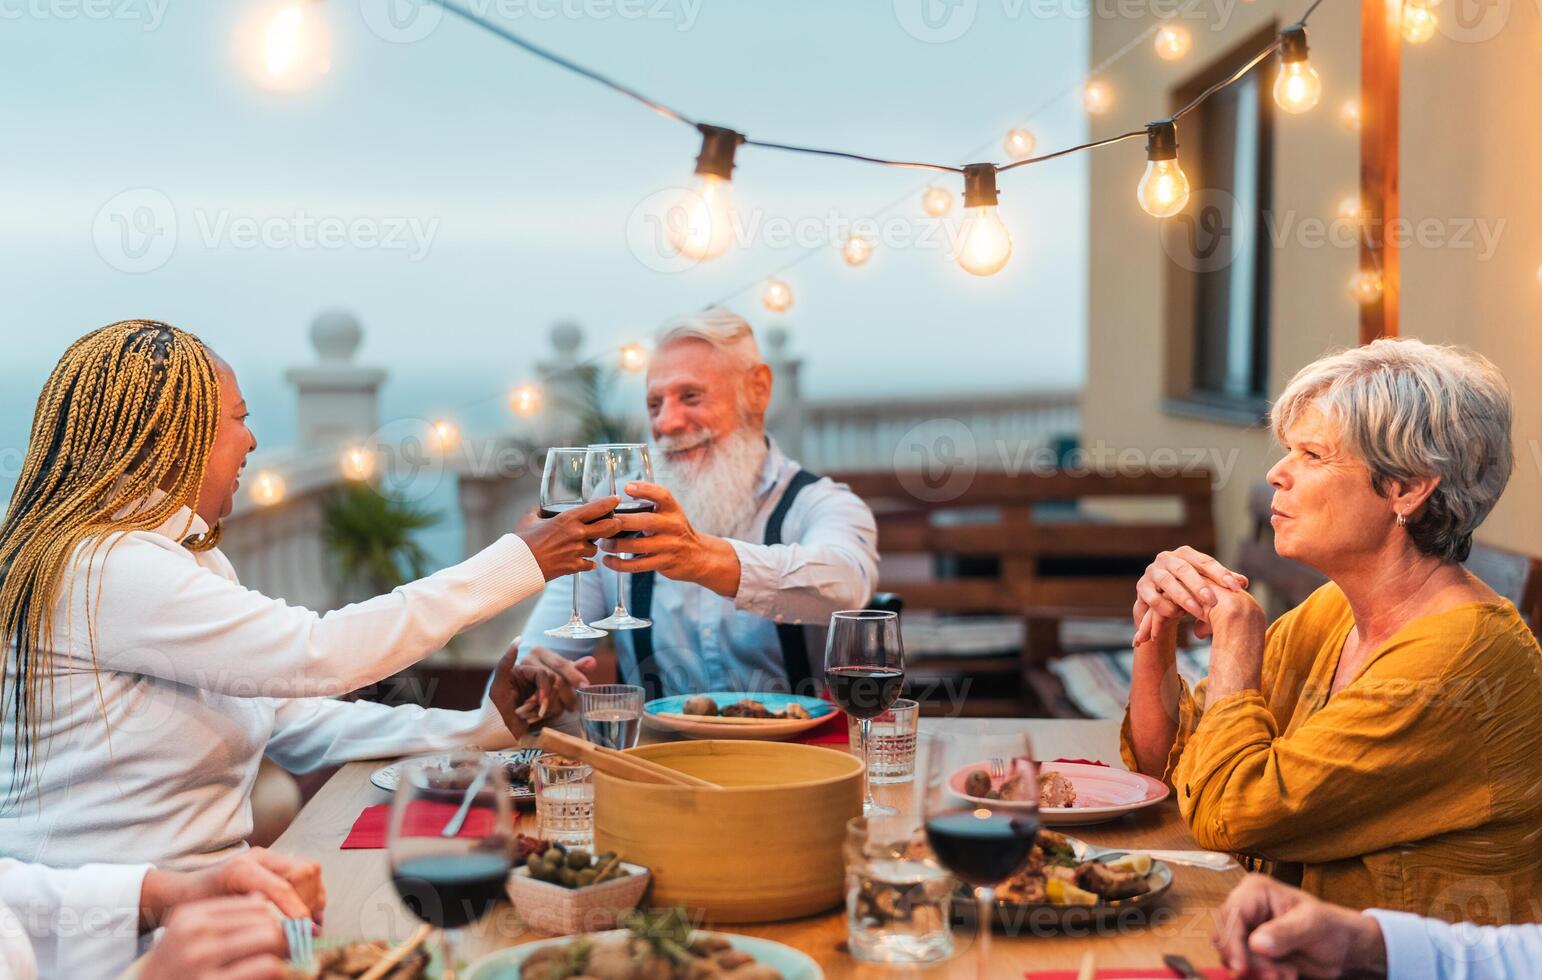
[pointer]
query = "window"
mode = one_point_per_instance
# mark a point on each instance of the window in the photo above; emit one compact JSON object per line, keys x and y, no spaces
{"x":1217,"y":249}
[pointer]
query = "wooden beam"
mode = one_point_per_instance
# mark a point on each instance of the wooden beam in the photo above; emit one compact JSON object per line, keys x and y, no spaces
{"x":1380,"y":83}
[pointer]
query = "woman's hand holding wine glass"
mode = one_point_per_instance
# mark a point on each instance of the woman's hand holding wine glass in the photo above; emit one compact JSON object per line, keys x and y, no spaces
{"x":565,"y":543}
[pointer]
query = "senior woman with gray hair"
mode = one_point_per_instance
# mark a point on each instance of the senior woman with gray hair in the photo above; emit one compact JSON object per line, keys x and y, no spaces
{"x":1381,"y":743}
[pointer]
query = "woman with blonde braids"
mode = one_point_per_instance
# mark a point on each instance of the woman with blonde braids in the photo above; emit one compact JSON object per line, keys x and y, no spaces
{"x":142,"y":683}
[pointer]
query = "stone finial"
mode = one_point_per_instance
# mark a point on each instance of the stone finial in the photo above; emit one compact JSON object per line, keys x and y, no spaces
{"x":336,"y":335}
{"x":776,"y":342}
{"x":566,"y":338}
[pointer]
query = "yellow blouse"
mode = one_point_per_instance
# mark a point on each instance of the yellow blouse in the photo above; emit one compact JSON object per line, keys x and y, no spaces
{"x":1418,"y":787}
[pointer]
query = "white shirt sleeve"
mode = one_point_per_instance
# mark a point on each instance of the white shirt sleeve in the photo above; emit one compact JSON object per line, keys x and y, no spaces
{"x":159,"y":613}
{"x":80,"y":923}
{"x":832,"y":565}
{"x":1429,"y":949}
{"x":316,"y":732}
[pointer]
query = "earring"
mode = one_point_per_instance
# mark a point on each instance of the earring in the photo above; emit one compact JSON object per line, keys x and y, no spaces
{"x":1402,"y":520}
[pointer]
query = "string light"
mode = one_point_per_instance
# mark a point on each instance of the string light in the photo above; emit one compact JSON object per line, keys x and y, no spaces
{"x":1418,"y":21}
{"x":1298,"y":87}
{"x":1173,"y":42}
{"x":285,"y":44}
{"x":634,"y":357}
{"x":1349,"y":115}
{"x":526,"y":400}
{"x":701,"y":224}
{"x":269,"y":488}
{"x":1020,"y":143}
{"x":777,"y":296}
{"x":936,"y":201}
{"x":857,"y":250}
{"x":1349,"y":208}
{"x":1163,"y":189}
{"x":358,"y":463}
{"x":444,"y":435}
{"x":1366,"y":287}
{"x":1097,"y":97}
{"x":983,"y":242}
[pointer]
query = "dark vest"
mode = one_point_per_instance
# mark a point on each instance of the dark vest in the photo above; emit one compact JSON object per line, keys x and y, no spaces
{"x":639,"y":668}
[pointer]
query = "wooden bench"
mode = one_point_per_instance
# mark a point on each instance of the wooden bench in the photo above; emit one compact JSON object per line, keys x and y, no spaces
{"x":1026,"y":552}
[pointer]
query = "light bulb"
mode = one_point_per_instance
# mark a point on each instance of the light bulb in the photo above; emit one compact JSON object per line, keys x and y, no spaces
{"x":1020,"y":143}
{"x":285,"y":45}
{"x":269,"y":489}
{"x":634,"y":357}
{"x":1297,"y":88}
{"x":856,"y":250}
{"x":1172,"y":42}
{"x":1349,"y":115}
{"x":1163,"y":188}
{"x":936,"y":201}
{"x":777,"y":296}
{"x":444,"y":434}
{"x":701,"y":224}
{"x":983,"y":243}
{"x":1097,"y":97}
{"x":1419,"y":22}
{"x":1366,"y":287}
{"x":358,"y":463}
{"x":526,"y":400}
{"x":1349,"y":208}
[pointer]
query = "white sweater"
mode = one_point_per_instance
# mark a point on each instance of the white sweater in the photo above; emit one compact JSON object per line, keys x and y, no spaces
{"x":150,"y":757}
{"x":81,"y":924}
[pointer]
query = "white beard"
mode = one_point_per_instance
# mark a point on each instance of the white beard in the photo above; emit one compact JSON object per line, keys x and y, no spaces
{"x":717,"y":492}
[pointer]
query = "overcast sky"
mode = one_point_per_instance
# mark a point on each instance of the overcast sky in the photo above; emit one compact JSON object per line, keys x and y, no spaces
{"x":486,"y":194}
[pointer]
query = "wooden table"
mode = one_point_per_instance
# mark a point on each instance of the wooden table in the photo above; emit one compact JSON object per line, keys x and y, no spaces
{"x":362,"y":902}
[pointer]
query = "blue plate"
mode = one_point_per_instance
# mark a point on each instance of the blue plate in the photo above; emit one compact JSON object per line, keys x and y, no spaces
{"x":668,"y":713}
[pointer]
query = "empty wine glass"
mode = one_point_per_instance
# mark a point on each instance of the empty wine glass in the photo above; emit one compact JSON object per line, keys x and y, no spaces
{"x":865,"y":669}
{"x":626,"y":462}
{"x":564,"y":487}
{"x":982,"y":841}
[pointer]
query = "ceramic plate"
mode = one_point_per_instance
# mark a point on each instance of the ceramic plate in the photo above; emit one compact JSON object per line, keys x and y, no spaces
{"x":1030,"y":919}
{"x":1102,"y":792}
{"x":793,"y":965}
{"x":707,"y":726}
{"x":388,"y":777}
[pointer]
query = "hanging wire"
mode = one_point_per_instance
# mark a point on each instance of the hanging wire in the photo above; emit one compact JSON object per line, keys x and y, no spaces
{"x":853,"y":156}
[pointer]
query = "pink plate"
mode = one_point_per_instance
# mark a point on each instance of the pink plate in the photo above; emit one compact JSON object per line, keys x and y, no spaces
{"x":1102,"y":792}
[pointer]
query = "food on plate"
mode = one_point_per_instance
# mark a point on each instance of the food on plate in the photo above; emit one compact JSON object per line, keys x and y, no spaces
{"x":658,"y":946}
{"x":573,"y":867}
{"x":700,"y":704}
{"x":1054,"y":789}
{"x":518,"y":773}
{"x":352,"y":960}
{"x":1053,"y":875}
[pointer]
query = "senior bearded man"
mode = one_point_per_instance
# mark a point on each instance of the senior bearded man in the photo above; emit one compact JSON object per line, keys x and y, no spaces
{"x":745,"y":546}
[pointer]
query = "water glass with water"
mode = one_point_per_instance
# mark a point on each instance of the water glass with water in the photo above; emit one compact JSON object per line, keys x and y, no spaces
{"x":611,"y":714}
{"x":564,"y":800}
{"x":892,"y":744}
{"x":897,"y":896}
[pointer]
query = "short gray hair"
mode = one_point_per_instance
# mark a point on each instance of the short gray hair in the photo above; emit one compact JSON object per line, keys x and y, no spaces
{"x":729,"y":332}
{"x":1410,"y":410}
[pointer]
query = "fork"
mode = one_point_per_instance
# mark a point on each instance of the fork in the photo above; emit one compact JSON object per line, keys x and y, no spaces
{"x":300,"y":934}
{"x":999,"y":768}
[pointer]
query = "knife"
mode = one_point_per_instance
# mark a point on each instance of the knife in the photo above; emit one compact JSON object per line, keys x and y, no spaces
{"x":1181,"y":966}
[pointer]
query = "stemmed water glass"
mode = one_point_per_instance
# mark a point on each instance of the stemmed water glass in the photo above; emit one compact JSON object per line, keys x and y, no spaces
{"x":865,"y":669}
{"x":983,"y":842}
{"x":565,"y":485}
{"x":622,"y":464}
{"x":448,"y":841}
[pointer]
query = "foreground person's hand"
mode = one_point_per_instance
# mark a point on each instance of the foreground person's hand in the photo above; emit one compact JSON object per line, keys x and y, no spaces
{"x":294,"y":886}
{"x":220,"y":939}
{"x":671,"y":546}
{"x":537,"y":689}
{"x":564,"y":544}
{"x":1267,"y":929}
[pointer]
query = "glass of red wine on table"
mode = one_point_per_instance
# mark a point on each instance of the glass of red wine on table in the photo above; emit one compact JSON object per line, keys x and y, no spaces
{"x":565,"y":485}
{"x":982,"y":842}
{"x":614,"y":466}
{"x":865,"y":670}
{"x":448,"y":841}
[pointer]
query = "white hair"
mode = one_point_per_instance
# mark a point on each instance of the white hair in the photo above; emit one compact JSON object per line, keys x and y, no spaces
{"x":726,"y":331}
{"x":1409,"y":410}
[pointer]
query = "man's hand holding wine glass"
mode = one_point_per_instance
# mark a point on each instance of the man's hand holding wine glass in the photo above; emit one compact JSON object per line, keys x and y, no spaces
{"x":670,"y":546}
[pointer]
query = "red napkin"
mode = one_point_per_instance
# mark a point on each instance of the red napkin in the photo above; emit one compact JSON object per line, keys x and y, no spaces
{"x":1210,"y":973}
{"x":425,"y":818}
{"x":832,"y":731}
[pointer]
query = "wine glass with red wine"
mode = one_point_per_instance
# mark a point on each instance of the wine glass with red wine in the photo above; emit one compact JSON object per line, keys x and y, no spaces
{"x":450,"y":841}
{"x":627,"y":462}
{"x":865,"y":669}
{"x":564,"y":487}
{"x":982,"y":841}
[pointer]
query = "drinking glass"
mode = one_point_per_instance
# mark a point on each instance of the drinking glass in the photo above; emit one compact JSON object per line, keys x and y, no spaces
{"x":891,"y":752}
{"x":898,"y":898}
{"x":983,"y":842}
{"x":611,"y":714}
{"x":449,"y":841}
{"x":564,"y":800}
{"x":865,"y":669}
{"x":623,"y":462}
{"x":564,"y":487}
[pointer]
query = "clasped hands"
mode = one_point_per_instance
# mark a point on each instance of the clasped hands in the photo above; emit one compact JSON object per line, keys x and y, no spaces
{"x":1188,"y":583}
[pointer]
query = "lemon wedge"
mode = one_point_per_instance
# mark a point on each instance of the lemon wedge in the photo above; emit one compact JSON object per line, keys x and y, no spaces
{"x":1138,"y":863}
{"x":1065,"y":893}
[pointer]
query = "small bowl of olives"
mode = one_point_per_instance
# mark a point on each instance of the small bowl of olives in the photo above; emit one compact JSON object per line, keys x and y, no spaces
{"x":562,"y":891}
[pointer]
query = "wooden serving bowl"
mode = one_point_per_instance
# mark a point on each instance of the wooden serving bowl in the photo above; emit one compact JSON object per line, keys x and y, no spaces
{"x":765,"y":847}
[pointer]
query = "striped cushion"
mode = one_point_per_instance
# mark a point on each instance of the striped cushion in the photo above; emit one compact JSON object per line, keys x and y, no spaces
{"x":1098,"y":683}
